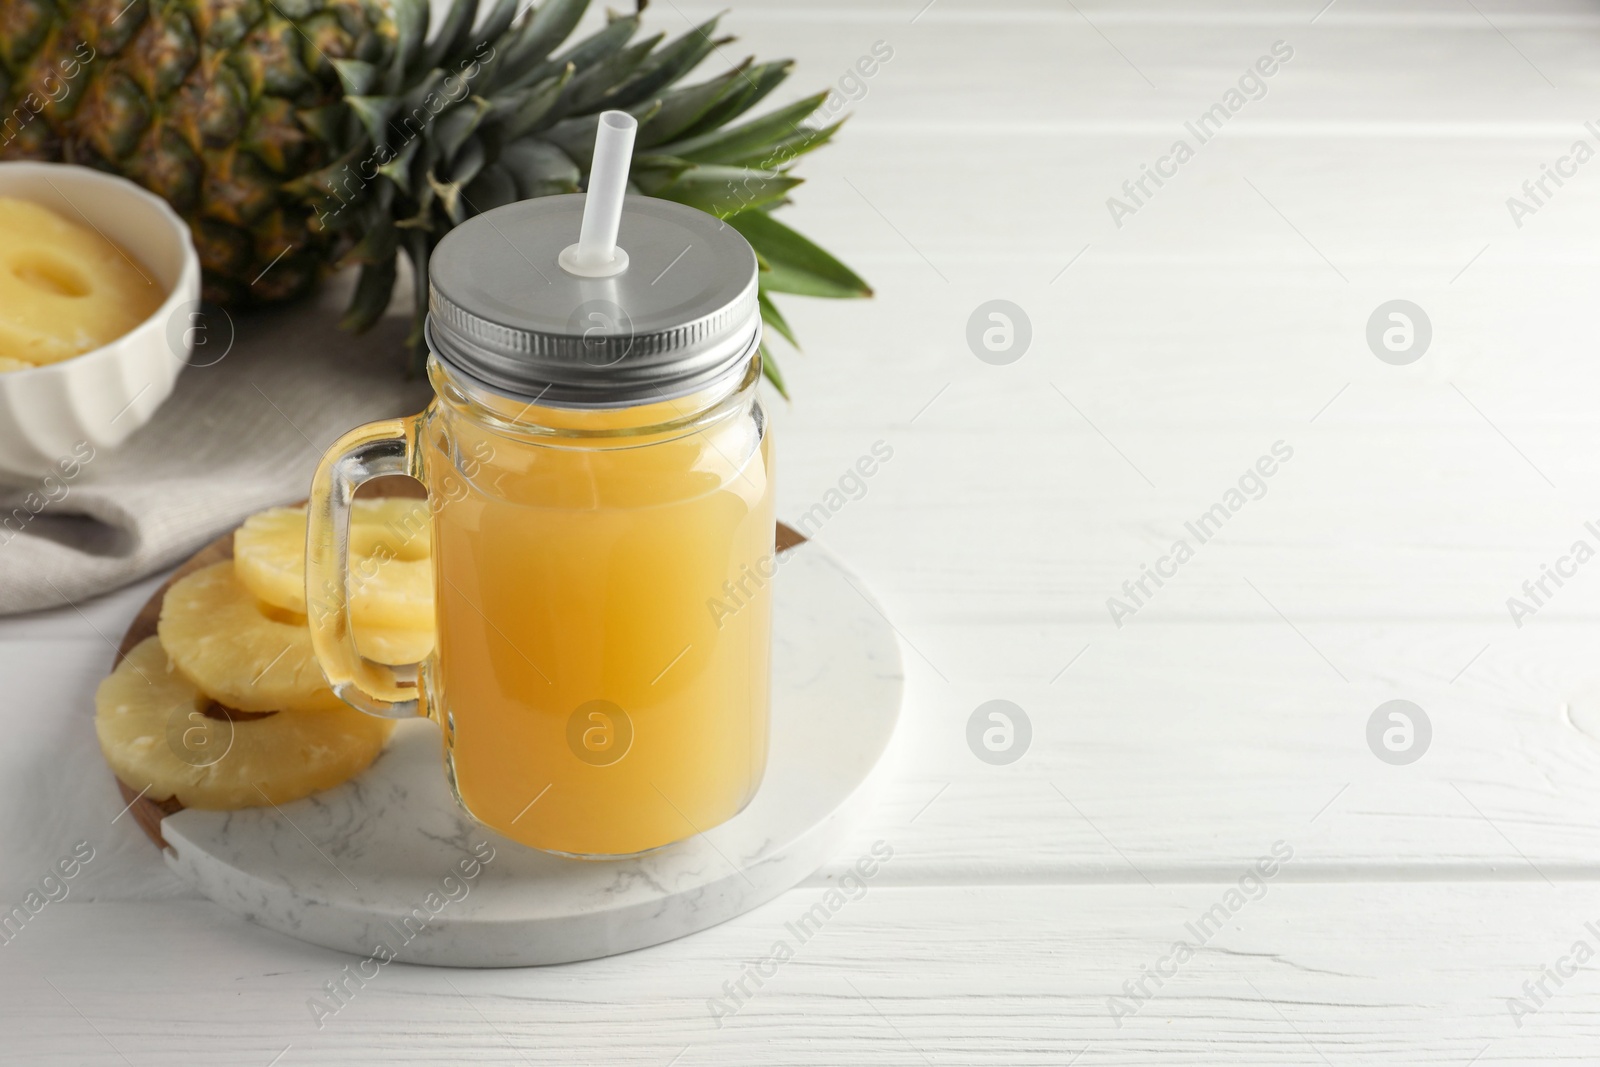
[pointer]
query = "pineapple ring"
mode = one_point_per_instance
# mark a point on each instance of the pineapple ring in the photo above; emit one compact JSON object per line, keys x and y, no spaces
{"x":394,"y":647}
{"x":157,"y":737}
{"x":239,"y":651}
{"x":391,"y":577}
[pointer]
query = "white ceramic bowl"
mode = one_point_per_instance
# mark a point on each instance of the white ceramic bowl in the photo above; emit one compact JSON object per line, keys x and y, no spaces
{"x":100,"y":397}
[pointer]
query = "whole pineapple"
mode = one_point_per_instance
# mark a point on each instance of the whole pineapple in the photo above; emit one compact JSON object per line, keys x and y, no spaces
{"x":298,"y":135}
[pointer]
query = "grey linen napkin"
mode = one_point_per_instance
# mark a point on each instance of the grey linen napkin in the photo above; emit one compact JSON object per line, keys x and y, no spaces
{"x":242,"y":434}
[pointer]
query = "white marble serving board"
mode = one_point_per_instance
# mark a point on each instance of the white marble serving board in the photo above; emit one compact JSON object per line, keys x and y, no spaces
{"x":389,"y":864}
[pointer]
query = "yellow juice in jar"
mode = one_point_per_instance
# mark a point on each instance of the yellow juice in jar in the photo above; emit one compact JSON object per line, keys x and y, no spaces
{"x":604,"y":614}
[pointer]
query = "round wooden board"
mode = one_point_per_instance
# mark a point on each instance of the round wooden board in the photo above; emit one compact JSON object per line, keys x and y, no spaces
{"x":148,"y":811}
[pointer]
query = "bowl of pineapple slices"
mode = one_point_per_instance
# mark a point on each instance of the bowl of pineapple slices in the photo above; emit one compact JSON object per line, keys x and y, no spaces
{"x":216,"y":701}
{"x":99,"y":311}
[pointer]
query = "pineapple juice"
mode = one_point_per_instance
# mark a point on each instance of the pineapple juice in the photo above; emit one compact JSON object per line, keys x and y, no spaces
{"x":604,"y":632}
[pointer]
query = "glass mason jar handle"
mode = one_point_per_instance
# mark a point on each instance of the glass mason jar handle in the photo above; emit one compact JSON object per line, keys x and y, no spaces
{"x":364,"y":453}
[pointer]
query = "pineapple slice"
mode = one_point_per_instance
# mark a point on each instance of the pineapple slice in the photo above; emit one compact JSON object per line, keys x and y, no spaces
{"x":391,"y":577}
{"x":64,"y":288}
{"x":157,"y":735}
{"x":241,"y":652}
{"x":394,"y":647}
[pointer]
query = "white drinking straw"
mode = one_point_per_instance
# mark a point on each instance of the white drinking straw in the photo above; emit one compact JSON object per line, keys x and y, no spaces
{"x":596,"y":254}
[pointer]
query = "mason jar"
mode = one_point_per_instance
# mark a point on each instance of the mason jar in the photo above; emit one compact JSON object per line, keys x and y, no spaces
{"x":598,"y":468}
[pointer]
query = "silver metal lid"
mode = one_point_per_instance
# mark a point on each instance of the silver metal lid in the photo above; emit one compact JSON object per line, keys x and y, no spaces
{"x":501,"y":309}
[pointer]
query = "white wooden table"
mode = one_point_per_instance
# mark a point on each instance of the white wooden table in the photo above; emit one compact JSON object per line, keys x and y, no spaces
{"x":1226,"y":717}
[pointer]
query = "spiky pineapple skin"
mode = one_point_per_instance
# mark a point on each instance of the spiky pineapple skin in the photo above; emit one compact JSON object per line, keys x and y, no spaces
{"x":197,"y":100}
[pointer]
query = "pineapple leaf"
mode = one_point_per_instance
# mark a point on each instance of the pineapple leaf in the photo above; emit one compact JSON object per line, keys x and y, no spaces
{"x":590,"y":89}
{"x":759,"y":80}
{"x":586,"y":53}
{"x":357,"y":77}
{"x":538,"y":35}
{"x":787,"y":150}
{"x":453,"y":34}
{"x":794,"y":264}
{"x":418,"y":250}
{"x":774,"y":318}
{"x":724,"y":191}
{"x":449,"y":194}
{"x":415,"y":100}
{"x":411,"y":27}
{"x":374,"y":113}
{"x":323,"y":183}
{"x":494,"y":187}
{"x":535,"y":106}
{"x":380,"y":240}
{"x":739,"y":142}
{"x":398,"y":169}
{"x":422,"y":164}
{"x":453,"y":128}
{"x":656,"y":171}
{"x":327,"y":124}
{"x":465,"y":166}
{"x":495,"y":23}
{"x":770,"y":371}
{"x":373,"y":292}
{"x":682,"y":108}
{"x":539,"y":168}
{"x":678,"y":58}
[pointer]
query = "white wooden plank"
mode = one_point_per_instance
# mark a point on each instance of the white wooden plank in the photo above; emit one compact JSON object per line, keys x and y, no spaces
{"x":973,"y":66}
{"x":1351,"y":211}
{"x":1420,"y":493}
{"x":1165,"y":751}
{"x":1178,"y":12}
{"x":1015,"y":975}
